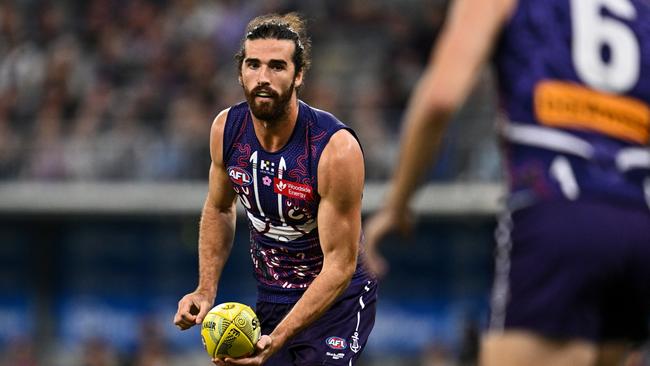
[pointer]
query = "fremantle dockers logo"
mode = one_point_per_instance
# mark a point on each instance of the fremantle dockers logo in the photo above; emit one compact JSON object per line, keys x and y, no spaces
{"x":239,"y":176}
{"x":355,"y":347}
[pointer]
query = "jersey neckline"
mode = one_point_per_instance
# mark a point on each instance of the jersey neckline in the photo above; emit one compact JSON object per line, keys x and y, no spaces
{"x":294,"y":133}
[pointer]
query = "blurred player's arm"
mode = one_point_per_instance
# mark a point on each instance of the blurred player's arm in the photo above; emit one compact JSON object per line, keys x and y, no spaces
{"x":471,"y":28}
{"x":464,"y":45}
{"x":216,"y":233}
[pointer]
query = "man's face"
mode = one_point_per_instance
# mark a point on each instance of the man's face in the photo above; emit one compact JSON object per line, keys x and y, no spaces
{"x":268,"y":77}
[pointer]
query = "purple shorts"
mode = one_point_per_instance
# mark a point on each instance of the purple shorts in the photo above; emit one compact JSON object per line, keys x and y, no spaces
{"x":574,"y":270}
{"x":337,"y":338}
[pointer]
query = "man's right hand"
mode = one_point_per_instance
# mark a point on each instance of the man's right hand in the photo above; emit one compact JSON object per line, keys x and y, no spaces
{"x":192,"y":309}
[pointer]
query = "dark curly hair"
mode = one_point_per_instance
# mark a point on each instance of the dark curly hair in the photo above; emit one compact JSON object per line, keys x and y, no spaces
{"x":274,"y":26}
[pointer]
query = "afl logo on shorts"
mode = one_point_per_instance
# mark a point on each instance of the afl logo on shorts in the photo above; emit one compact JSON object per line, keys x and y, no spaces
{"x":239,"y":176}
{"x":336,"y":343}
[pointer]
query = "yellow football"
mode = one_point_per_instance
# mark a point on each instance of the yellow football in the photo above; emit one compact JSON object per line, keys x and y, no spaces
{"x":230,"y":329}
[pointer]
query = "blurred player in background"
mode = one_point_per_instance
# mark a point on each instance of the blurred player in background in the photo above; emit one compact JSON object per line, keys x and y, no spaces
{"x":299,"y":173}
{"x":572,"y":280}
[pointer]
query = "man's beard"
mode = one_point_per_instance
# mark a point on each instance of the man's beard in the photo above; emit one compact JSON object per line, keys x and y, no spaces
{"x":270,"y":109}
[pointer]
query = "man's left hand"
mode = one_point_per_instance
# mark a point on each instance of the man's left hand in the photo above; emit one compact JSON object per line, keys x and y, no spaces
{"x":263,"y":350}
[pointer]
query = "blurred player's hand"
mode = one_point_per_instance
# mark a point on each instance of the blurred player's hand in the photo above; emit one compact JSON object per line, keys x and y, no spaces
{"x":263,"y":350}
{"x":376,"y":228}
{"x":192,"y":309}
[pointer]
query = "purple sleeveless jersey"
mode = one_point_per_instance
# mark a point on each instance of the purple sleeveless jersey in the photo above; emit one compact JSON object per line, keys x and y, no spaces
{"x":572,"y":256}
{"x":280,"y":193}
{"x":574,"y":81}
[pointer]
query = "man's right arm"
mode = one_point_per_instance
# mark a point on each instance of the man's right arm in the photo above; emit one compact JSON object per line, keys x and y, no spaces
{"x":216,"y":232}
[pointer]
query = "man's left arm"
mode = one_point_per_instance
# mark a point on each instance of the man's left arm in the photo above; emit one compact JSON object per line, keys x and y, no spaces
{"x":340,"y":185}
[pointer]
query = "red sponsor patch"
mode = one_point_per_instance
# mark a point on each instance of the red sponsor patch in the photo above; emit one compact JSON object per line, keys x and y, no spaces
{"x":292,"y":189}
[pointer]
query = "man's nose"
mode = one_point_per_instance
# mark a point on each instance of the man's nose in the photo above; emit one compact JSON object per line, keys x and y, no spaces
{"x":263,"y":77}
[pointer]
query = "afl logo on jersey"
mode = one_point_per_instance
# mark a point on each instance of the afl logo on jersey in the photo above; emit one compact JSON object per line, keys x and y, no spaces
{"x":239,"y":176}
{"x":336,"y":343}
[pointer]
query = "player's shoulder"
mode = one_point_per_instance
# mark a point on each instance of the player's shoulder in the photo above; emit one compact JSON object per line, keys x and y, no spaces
{"x":340,"y":137}
{"x":344,"y":142}
{"x":341,"y":149}
{"x":322,"y":118}
{"x":219,"y":122}
{"x":341,"y":165}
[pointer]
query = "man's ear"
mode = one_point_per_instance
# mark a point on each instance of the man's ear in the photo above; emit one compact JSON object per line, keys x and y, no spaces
{"x":239,"y":79}
{"x":298,"y":79}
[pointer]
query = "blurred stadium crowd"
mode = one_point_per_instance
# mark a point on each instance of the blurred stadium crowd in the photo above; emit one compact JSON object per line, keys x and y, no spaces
{"x":126,"y":90}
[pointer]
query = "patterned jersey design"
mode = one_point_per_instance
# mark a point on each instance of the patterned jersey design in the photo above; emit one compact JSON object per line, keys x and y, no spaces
{"x":574,"y":80}
{"x":280,"y":193}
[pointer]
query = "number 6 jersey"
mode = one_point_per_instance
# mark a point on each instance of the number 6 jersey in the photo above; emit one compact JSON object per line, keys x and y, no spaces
{"x":574,"y":79}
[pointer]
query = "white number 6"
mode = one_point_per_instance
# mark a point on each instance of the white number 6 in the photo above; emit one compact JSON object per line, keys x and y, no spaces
{"x":592,"y":31}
